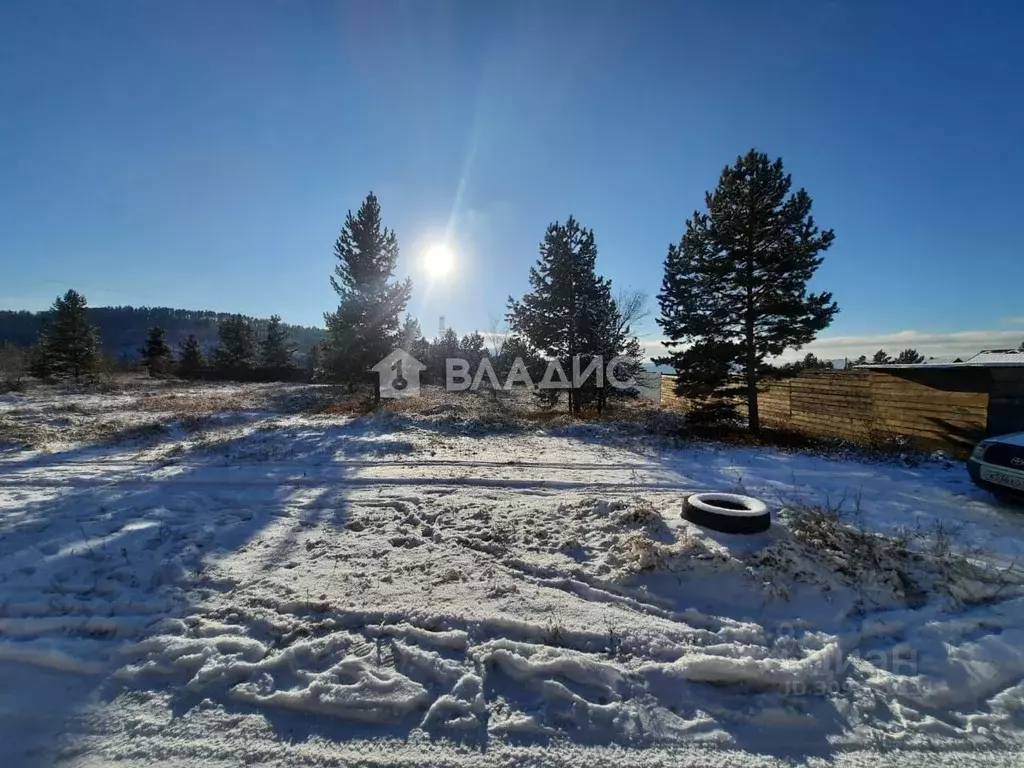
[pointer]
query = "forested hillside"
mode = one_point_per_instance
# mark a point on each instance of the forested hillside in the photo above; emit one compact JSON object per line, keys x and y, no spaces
{"x":122,"y":330}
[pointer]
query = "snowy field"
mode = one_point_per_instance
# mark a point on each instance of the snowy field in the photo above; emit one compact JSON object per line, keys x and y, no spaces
{"x":227,"y":575}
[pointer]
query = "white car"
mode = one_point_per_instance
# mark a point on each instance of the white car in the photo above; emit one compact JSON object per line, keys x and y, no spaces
{"x":997,"y":465}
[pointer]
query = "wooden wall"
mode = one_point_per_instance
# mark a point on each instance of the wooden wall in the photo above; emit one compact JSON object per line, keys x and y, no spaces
{"x":1006,"y":401}
{"x":937,"y":408}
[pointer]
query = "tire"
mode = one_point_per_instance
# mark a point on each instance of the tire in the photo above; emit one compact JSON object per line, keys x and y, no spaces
{"x":727,"y":512}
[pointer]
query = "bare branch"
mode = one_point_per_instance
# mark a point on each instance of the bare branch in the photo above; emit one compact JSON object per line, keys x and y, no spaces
{"x":633,"y":306}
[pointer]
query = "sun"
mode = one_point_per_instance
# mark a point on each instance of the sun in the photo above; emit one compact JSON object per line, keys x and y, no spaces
{"x":438,"y":260}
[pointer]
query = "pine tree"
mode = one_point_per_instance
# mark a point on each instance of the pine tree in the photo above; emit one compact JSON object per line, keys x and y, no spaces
{"x":567,"y":311}
{"x":439,"y":350}
{"x":38,"y":361}
{"x":191,"y":361}
{"x":735,"y":287}
{"x":516,"y":347}
{"x":611,"y":339}
{"x":880,"y":358}
{"x":365,"y":327}
{"x":13,"y":367}
{"x":276,"y":351}
{"x":909,"y":357}
{"x":448,"y":344}
{"x":236,"y":352}
{"x":473,"y":349}
{"x":411,"y":339}
{"x":69,"y":345}
{"x":812,"y":363}
{"x":156,"y":355}
{"x":862,"y":360}
{"x":314,"y":362}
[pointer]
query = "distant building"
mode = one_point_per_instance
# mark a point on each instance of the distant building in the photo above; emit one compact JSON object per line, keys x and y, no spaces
{"x":997,"y":357}
{"x":987,"y":358}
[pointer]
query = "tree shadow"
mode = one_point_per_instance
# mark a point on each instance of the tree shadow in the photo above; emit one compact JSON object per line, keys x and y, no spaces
{"x":90,"y":565}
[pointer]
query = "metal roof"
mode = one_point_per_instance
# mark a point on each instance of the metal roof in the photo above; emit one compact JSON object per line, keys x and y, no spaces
{"x":987,"y":358}
{"x":997,"y":356}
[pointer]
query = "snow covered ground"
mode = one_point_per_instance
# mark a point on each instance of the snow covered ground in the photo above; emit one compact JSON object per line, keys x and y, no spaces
{"x":213,"y":575}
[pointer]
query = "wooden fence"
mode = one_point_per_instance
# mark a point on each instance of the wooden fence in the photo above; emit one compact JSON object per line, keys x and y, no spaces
{"x":941,"y":408}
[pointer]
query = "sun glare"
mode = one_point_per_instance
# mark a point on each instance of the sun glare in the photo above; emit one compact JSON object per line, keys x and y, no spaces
{"x":438,"y":260}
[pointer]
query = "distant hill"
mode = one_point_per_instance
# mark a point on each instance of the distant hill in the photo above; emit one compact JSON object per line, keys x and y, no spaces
{"x":123,"y":329}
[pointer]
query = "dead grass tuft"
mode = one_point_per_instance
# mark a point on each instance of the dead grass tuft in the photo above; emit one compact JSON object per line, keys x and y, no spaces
{"x":912,"y":564}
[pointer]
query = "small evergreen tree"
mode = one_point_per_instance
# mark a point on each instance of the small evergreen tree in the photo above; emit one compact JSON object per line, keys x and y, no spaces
{"x":364,"y":329}
{"x":276,"y":352}
{"x":473,"y":349}
{"x":13,"y":367}
{"x":314,"y":362}
{"x":69,"y":347}
{"x":411,"y":339}
{"x":612,"y":340}
{"x":812,"y":363}
{"x":156,"y":355}
{"x":735,"y":288}
{"x":38,"y":363}
{"x":880,"y":358}
{"x":191,"y":361}
{"x":909,"y":357}
{"x":448,"y":344}
{"x":236,"y":352}
{"x":439,"y":350}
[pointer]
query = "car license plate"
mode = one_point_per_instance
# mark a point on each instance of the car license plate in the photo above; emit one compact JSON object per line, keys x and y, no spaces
{"x":1003,"y":478}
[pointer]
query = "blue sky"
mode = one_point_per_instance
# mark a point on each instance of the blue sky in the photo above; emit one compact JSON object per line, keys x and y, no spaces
{"x":203,"y":155}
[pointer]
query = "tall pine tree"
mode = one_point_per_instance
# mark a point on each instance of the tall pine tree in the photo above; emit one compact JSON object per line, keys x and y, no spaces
{"x":735,"y":287}
{"x":276,"y":351}
{"x":880,"y":358}
{"x":156,"y":355}
{"x":69,"y":347}
{"x":566,"y":312}
{"x":191,"y":361}
{"x":365,"y":327}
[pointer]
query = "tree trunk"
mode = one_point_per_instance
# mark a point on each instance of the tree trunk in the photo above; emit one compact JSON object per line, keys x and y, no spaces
{"x":753,"y":418}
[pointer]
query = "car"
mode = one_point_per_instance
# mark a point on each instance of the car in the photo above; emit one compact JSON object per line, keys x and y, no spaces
{"x":997,"y":465}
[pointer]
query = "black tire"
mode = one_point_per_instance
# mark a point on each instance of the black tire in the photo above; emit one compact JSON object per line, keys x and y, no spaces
{"x":727,"y":513}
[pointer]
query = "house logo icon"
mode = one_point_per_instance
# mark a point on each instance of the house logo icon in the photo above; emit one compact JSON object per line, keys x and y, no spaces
{"x":399,"y":374}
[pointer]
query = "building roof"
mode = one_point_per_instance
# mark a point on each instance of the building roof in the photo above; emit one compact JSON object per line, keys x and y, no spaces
{"x":987,"y":358}
{"x":997,"y":356}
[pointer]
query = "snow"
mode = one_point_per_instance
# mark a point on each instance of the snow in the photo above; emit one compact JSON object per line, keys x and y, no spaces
{"x":255,"y":582}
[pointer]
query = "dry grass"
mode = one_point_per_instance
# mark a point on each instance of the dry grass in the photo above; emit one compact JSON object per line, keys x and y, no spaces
{"x":911,"y":564}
